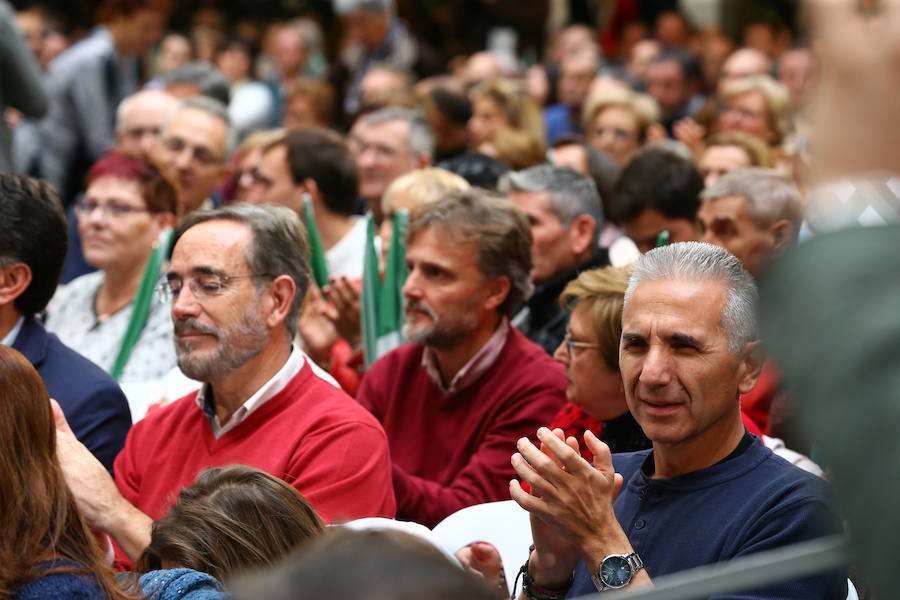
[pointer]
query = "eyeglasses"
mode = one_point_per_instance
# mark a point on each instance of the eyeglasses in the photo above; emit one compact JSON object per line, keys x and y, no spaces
{"x":570,"y":343}
{"x":203,"y":286}
{"x":85,"y":207}
{"x":202,"y":155}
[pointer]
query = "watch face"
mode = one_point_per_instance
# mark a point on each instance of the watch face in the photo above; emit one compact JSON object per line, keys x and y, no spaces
{"x":615,"y":571}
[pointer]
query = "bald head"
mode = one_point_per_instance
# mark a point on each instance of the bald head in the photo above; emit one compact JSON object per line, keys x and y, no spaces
{"x":744,"y":62}
{"x":140,"y":118}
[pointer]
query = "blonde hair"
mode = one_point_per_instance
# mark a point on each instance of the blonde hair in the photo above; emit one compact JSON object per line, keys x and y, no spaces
{"x":422,"y":186}
{"x":262,"y":139}
{"x":517,"y":149}
{"x":778,"y":107}
{"x":520,"y":109}
{"x":603,"y":292}
{"x":643,"y":107}
{"x":757,"y":150}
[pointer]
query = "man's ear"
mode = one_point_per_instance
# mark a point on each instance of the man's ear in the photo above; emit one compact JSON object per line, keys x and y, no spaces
{"x":14,"y":280}
{"x":309,"y":186}
{"x":783,"y":234}
{"x":581,"y":234}
{"x":496,"y":291}
{"x":278,"y":299}
{"x":750,"y":366}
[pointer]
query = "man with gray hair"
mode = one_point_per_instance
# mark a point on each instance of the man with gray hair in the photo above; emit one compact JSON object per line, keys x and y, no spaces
{"x":753,"y":213}
{"x":139,"y":121}
{"x":708,"y":491}
{"x":566,"y":216}
{"x":193,"y":150}
{"x":388,"y":143}
{"x":454,"y":401}
{"x":237,"y":279}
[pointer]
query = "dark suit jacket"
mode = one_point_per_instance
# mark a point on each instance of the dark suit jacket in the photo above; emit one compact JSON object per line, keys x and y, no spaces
{"x":92,"y":401}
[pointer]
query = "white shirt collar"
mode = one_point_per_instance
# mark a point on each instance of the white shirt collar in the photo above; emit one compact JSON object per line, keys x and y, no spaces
{"x":268,"y":391}
{"x":10,"y":338}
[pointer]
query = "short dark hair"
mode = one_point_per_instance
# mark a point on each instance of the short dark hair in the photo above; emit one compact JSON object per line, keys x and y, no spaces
{"x":690,"y":68}
{"x":659,"y":179}
{"x":32,"y":231}
{"x":323,"y":156}
{"x":280,"y":245}
{"x":372,"y":565}
{"x":478,"y":169}
{"x":233,"y":519}
{"x":453,"y":106}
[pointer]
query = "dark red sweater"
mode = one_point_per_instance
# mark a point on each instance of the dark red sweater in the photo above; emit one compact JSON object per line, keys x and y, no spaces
{"x":454,"y":451}
{"x":310,"y":434}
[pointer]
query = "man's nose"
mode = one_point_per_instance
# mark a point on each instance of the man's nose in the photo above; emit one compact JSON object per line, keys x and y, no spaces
{"x":185,"y":304}
{"x":656,"y":369}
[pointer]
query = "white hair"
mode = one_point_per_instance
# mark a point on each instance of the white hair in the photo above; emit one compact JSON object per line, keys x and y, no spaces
{"x":693,"y":261}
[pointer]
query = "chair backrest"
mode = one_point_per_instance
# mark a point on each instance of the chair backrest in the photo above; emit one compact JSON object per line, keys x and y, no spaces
{"x":504,"y":524}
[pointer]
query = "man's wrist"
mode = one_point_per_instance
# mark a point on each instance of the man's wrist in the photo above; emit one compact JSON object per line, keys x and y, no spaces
{"x":544,"y":589}
{"x":547,"y":578}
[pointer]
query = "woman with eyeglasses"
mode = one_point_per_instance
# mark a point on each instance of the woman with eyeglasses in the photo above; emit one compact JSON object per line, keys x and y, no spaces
{"x":46,"y":550}
{"x":617,"y":121}
{"x":126,"y":210}
{"x":590,"y":355}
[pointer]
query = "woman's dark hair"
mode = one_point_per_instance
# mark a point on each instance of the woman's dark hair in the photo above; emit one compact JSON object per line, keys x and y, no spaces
{"x":41,"y":520}
{"x":233,"y":519}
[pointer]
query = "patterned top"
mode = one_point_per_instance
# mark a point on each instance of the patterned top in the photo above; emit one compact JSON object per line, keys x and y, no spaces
{"x":72,"y":317}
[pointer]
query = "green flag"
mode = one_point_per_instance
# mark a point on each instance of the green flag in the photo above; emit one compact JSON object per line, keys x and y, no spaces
{"x":382,"y":301}
{"x":317,"y":250}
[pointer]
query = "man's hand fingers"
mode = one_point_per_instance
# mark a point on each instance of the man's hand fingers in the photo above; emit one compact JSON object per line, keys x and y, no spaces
{"x":568,"y":457}
{"x":602,"y":455}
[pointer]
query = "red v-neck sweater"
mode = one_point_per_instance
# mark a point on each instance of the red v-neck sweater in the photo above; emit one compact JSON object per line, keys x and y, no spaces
{"x":454,"y":451}
{"x":310,"y":434}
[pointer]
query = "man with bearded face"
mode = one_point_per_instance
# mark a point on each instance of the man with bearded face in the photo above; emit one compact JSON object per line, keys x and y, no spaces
{"x":236,"y":281}
{"x":455,"y":400}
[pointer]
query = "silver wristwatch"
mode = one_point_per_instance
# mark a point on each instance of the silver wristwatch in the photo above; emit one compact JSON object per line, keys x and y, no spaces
{"x":616,"y":571}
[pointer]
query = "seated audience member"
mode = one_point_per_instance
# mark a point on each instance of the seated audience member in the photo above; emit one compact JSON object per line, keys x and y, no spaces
{"x":197,"y":79}
{"x":32,"y":247}
{"x":469,"y":384}
{"x":317,"y":164}
{"x":47,"y":550}
{"x":126,"y":208}
{"x":673,"y":80}
{"x":384,"y":85}
{"x":386,"y":144}
{"x":237,"y":279}
{"x":564,"y":211}
{"x":242,"y":187}
{"x":590,"y":355}
{"x":232,"y":520}
{"x":308,"y":103}
{"x":725,"y":152}
{"x":503,"y":104}
{"x":385,"y":565}
{"x":516,"y":148}
{"x":448,"y":112}
{"x":757,"y":105}
{"x":192,"y":152}
{"x":656,"y":198}
{"x":617,"y":122}
{"x":576,"y":73}
{"x":708,"y":491}
{"x":756,"y":215}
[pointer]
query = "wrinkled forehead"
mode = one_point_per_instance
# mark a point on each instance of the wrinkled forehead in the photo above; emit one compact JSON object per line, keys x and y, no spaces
{"x":216,"y":246}
{"x":685,"y":305}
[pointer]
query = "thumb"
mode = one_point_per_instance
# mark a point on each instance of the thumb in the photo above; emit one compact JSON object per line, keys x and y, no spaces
{"x":59,"y":417}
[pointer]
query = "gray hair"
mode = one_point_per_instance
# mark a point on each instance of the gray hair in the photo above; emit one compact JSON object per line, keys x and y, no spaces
{"x":420,"y":140}
{"x":128,"y":101}
{"x":693,"y":261}
{"x":212,"y":107}
{"x":377,"y":7}
{"x":205,"y":76}
{"x":770,"y":195}
{"x":571,"y":193}
{"x":280,"y":246}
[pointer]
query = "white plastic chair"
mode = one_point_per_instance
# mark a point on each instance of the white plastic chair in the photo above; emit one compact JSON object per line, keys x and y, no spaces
{"x":504,"y":524}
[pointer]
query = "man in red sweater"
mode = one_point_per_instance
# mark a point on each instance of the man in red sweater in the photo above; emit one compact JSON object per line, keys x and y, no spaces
{"x":237,"y":279}
{"x":454,"y":402}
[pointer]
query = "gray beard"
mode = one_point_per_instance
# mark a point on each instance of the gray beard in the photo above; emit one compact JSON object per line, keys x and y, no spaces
{"x":235,"y":349}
